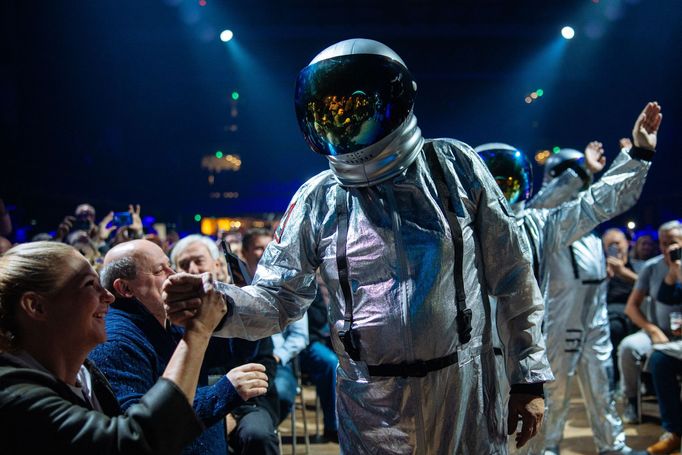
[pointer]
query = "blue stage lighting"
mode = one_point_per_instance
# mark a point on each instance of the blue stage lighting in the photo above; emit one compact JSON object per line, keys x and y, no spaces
{"x":226,"y":35}
{"x":568,"y":32}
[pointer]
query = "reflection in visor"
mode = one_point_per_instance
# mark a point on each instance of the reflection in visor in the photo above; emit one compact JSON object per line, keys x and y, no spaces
{"x":345,"y":104}
{"x":512,"y":172}
{"x":510,"y":186}
{"x":342,"y":120}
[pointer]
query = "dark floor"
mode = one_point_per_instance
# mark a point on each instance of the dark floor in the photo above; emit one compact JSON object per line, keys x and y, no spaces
{"x":577,"y":435}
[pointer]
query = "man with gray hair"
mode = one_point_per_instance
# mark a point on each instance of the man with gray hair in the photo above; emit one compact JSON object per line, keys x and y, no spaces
{"x":634,"y":348}
{"x":253,"y":425}
{"x":195,"y":253}
{"x":140,"y":341}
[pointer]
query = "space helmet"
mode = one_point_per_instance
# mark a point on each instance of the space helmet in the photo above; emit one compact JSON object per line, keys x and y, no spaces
{"x":354,"y":104}
{"x":510,"y":168}
{"x":565,"y":159}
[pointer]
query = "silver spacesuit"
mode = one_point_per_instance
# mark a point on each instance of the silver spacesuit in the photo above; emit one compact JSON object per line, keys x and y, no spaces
{"x":572,"y":278}
{"x":411,"y":325}
{"x":550,"y":233}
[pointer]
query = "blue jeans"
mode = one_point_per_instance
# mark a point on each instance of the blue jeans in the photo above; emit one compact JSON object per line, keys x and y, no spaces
{"x":664,"y":371}
{"x":320,"y":363}
{"x":286,"y":384}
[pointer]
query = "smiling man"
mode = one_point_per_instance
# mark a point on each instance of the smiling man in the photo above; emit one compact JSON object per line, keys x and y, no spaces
{"x":141,"y":342}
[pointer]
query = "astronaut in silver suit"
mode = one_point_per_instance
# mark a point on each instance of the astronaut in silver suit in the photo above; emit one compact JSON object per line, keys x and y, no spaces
{"x":549,"y":232}
{"x":572,"y":279}
{"x":410,"y":236}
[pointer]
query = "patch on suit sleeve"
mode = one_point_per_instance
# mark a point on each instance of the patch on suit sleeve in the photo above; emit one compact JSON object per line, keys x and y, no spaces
{"x":283,"y":223}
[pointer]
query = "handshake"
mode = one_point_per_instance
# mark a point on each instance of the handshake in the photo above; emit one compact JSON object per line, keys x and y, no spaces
{"x":193,"y":302}
{"x":193,"y":299}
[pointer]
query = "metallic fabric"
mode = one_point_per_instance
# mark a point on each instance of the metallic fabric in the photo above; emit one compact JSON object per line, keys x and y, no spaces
{"x":576,"y":322}
{"x":389,"y":157}
{"x":400,"y":265}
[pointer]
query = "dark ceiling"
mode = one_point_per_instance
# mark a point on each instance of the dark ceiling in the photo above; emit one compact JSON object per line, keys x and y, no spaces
{"x":118,"y":101}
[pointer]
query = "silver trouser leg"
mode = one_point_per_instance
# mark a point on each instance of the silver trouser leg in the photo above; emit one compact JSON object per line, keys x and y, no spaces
{"x":557,"y":395}
{"x":595,"y":371}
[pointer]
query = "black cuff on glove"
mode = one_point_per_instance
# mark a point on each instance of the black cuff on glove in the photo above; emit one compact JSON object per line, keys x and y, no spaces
{"x":529,"y":389}
{"x":642,"y":153}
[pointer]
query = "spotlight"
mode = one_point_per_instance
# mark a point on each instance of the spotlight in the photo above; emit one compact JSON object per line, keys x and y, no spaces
{"x":631,"y":225}
{"x":226,"y":35}
{"x":197,"y":217}
{"x":568,"y":32}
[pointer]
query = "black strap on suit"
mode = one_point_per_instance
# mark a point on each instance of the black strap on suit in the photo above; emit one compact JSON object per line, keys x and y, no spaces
{"x":349,"y":337}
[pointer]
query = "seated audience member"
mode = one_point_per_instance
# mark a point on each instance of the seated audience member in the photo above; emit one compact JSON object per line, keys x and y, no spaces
{"x":621,"y":278}
{"x":254,"y":242}
{"x":636,"y":347}
{"x":52,"y":399}
{"x":287,"y":345}
{"x":665,"y":365}
{"x":253,"y":425}
{"x":319,"y":362}
{"x":140,"y":341}
{"x":670,"y":291}
{"x":644,"y":249}
{"x":81,"y":242}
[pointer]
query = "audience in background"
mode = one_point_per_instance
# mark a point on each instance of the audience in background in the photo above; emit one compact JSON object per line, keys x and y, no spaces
{"x":287,"y":345}
{"x":254,"y":242}
{"x":665,"y":363}
{"x":140,"y":341}
{"x":645,"y":248}
{"x":252,"y":426}
{"x":53,"y":400}
{"x":319,"y":362}
{"x":655,"y":328}
{"x":621,"y":277}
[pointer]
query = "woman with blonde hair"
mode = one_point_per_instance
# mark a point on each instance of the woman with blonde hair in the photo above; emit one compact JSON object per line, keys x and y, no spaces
{"x":52,"y":398}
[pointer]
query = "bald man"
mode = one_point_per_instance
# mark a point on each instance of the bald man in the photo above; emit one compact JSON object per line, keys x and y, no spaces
{"x":141,"y":341}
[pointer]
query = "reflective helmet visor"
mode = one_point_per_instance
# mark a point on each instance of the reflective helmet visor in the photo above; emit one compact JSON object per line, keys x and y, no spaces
{"x":512,"y":171}
{"x":347,"y":103}
{"x":557,"y":167}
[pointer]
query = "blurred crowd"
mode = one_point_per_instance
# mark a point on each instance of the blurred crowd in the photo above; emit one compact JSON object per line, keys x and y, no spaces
{"x":133,"y":262}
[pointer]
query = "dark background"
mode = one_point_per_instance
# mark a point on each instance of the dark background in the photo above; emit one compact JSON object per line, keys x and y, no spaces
{"x":116,"y":102}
